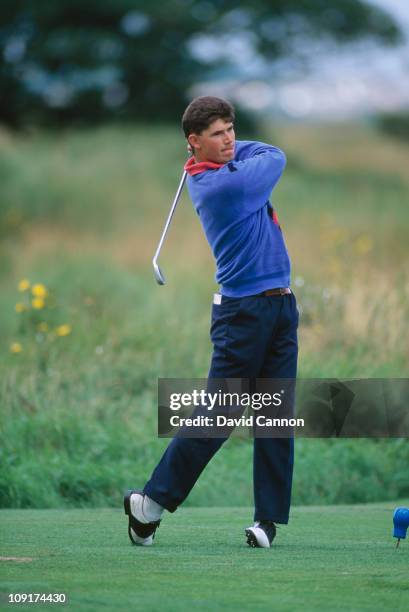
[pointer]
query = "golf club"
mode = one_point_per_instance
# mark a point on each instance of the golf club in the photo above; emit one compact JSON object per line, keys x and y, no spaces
{"x":160,"y":279}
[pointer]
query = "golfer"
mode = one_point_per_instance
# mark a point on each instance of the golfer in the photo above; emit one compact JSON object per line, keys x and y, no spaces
{"x":254,"y":317}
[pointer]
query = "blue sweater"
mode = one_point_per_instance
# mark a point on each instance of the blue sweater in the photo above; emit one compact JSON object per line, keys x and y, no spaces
{"x":233,"y":205}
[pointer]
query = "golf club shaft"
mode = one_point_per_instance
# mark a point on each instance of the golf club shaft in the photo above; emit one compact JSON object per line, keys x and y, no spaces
{"x":169,"y":219}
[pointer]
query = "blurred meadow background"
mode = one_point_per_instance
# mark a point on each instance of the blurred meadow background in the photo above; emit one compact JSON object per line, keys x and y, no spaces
{"x":91,"y":153}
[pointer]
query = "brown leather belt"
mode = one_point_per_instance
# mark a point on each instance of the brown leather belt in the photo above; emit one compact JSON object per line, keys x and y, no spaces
{"x":276,"y":291}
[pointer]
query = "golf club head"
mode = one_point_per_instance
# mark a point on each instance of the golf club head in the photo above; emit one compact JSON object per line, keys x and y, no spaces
{"x":160,"y":279}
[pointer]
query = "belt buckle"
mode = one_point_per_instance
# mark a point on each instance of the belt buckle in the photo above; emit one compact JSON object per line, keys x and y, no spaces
{"x":283,"y":290}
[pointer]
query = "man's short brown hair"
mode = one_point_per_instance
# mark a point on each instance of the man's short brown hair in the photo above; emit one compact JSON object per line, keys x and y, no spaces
{"x":202,"y":111}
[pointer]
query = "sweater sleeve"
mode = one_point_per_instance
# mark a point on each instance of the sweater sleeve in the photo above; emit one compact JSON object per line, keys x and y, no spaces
{"x":256,"y":170}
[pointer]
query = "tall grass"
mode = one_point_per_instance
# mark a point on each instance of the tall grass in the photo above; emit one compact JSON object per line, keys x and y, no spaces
{"x":79,"y":412}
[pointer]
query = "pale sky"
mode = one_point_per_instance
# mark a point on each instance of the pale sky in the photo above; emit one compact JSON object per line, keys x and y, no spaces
{"x":345,"y":82}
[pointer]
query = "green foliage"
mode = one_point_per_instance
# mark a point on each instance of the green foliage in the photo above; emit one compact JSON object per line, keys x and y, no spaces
{"x":395,"y":124}
{"x":73,"y":62}
{"x":80,"y":430}
{"x":80,"y":426}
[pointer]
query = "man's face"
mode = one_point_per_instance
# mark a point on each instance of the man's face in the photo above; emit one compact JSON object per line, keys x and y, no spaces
{"x":216,"y":143}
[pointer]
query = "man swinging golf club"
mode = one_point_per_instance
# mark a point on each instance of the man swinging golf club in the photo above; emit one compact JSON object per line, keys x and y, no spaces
{"x":254,"y":317}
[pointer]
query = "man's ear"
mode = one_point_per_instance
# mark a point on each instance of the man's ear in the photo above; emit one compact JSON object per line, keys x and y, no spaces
{"x":193,"y":141}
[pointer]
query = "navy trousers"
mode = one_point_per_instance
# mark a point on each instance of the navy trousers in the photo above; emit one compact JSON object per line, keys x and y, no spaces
{"x":253,"y":337}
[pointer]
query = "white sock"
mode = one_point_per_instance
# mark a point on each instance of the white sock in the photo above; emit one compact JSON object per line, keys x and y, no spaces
{"x":152,"y":511}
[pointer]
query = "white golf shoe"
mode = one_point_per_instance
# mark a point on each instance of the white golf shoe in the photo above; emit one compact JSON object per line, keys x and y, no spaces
{"x":141,"y":531}
{"x":261,"y":534}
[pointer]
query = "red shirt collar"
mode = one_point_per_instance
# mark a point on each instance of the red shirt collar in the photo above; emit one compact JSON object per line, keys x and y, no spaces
{"x":193,"y":167}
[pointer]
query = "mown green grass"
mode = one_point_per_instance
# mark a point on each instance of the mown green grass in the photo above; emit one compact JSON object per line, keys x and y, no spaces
{"x":82,"y":211}
{"x":327,"y":558}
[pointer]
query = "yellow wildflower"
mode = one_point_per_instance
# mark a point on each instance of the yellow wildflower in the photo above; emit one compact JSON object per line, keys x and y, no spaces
{"x":42,"y":327}
{"x":24,"y":284}
{"x":16,"y":347}
{"x":39,"y":290}
{"x":19,"y":307}
{"x":363,"y":244}
{"x":37,"y":303}
{"x":63,"y":330}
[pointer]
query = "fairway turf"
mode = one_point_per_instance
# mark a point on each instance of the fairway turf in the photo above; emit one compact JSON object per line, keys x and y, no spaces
{"x":327,"y":558}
